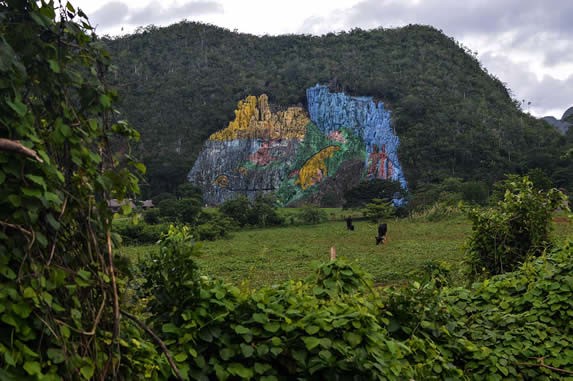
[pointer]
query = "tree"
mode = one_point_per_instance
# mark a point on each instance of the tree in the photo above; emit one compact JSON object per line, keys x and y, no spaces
{"x":260,"y":212}
{"x":378,"y":210}
{"x":188,"y":190}
{"x":366,"y":191}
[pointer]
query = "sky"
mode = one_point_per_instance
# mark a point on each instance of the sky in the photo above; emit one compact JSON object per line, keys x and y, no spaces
{"x":527,"y":44}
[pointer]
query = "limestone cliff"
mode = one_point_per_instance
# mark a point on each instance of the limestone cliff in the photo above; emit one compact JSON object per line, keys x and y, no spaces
{"x":254,"y":120}
{"x":298,"y":157}
{"x":365,"y":118}
{"x":250,"y":155}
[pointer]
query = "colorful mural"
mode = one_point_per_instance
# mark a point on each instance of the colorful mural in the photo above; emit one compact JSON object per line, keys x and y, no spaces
{"x":254,"y":120}
{"x":315,"y":169}
{"x":295,"y":155}
{"x":367,"y":119}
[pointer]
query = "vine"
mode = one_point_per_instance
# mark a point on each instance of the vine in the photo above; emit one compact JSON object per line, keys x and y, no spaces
{"x":59,"y":292}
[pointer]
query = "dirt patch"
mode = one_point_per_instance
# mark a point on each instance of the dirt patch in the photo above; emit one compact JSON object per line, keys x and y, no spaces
{"x":561,"y":220}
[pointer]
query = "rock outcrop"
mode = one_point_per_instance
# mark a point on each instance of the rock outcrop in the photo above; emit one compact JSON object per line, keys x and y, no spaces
{"x":563,"y":124}
{"x":296,"y":156}
{"x":249,"y":157}
{"x":366,"y":119}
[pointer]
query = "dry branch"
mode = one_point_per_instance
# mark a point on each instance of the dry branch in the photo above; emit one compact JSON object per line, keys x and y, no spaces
{"x":17,"y":147}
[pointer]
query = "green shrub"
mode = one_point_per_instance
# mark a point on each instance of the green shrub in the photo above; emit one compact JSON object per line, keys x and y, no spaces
{"x":168,"y":209}
{"x":378,"y":210}
{"x":475,"y":192}
{"x":437,"y":212}
{"x":162,"y":196}
{"x":188,"y":210}
{"x":185,"y":210}
{"x":284,"y":332}
{"x":215,"y":227}
{"x":517,"y":228}
{"x":170,"y":275}
{"x":260,"y":212}
{"x":151,"y":216}
{"x":367,"y":191}
{"x":188,"y":190}
{"x":311,"y":215}
{"x":138,"y":234}
{"x":237,"y":209}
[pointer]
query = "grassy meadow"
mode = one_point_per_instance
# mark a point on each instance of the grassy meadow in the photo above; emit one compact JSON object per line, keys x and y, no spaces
{"x":255,"y":257}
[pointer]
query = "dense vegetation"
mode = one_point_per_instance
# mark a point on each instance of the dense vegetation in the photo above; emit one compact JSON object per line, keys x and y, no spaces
{"x":181,"y":83}
{"x":59,"y":288}
{"x":72,"y":310}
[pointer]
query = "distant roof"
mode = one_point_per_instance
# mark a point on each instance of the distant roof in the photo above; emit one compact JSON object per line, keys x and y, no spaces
{"x":147,"y":204}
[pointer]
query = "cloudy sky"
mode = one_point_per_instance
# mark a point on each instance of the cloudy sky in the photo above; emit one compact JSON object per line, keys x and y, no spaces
{"x":528,"y":44}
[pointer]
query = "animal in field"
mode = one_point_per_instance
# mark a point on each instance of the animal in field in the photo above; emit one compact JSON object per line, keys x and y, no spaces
{"x":382,"y":230}
{"x":349,"y":225}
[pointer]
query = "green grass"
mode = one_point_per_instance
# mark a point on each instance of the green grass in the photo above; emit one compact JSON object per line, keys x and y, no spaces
{"x":269,"y":256}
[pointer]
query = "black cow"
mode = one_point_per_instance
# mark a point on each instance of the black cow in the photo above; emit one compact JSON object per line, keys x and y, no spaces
{"x":349,"y":225}
{"x":382,"y":230}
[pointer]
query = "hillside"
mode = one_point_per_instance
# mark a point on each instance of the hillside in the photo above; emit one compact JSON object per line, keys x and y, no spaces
{"x":180,"y":84}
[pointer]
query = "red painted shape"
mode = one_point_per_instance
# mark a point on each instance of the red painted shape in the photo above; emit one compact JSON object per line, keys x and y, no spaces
{"x":379,"y":166}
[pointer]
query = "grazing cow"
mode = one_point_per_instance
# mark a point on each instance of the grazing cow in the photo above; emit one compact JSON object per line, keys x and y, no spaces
{"x":349,"y":225}
{"x":382,"y":230}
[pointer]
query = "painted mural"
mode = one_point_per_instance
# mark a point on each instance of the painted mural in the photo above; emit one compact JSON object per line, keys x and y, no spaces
{"x":296,"y":154}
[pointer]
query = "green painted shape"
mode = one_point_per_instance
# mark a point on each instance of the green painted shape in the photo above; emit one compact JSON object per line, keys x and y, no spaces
{"x":315,"y":141}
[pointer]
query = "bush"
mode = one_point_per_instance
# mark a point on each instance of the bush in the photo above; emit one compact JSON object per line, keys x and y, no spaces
{"x":185,"y":210}
{"x":260,"y":212}
{"x":138,"y":234}
{"x":215,"y":227}
{"x":151,"y":216}
{"x":263,"y":212}
{"x":171,"y":275}
{"x":162,"y":196}
{"x":475,"y":192}
{"x":168,"y":209}
{"x":367,"y":191}
{"x":437,"y":212}
{"x":323,"y":329}
{"x":517,"y":228}
{"x":378,"y":210}
{"x":311,"y":215}
{"x":237,"y":209}
{"x":188,"y":190}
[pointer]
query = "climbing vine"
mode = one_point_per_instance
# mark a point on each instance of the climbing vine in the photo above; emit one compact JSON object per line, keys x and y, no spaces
{"x":59,"y":291}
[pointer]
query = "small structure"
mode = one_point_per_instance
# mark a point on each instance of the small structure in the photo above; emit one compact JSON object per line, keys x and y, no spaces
{"x":147,"y":204}
{"x":114,"y":205}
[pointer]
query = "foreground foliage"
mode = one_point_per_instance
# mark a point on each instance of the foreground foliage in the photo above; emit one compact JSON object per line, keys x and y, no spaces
{"x":59,"y":294}
{"x":517,"y":228}
{"x":336,"y":325}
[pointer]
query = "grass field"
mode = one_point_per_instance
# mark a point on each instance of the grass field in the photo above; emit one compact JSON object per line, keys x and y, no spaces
{"x":267,"y":256}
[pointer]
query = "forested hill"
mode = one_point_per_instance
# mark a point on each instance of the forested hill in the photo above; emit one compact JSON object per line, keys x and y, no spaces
{"x":181,"y":83}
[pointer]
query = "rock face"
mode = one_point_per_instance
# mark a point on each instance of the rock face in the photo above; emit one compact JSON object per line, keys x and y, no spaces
{"x":564,"y":123}
{"x":366,"y":119}
{"x":250,"y":155}
{"x":297,"y":157}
